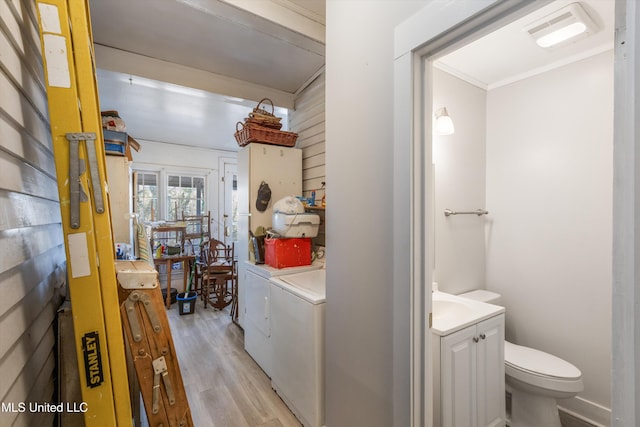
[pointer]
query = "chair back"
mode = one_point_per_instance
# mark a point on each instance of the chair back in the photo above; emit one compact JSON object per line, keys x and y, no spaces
{"x":217,"y":259}
{"x":198,"y":230}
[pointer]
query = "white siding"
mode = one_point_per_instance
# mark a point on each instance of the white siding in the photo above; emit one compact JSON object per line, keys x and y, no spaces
{"x":32,"y":258}
{"x":308,"y":121}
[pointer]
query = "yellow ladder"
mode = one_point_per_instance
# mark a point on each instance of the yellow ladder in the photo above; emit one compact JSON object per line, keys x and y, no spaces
{"x":76,"y":129}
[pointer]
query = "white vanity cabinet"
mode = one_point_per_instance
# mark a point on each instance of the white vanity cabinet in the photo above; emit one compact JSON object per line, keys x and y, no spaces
{"x":469,"y":376}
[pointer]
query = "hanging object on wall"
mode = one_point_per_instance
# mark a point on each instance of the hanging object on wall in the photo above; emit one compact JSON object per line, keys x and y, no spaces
{"x":264,"y":196}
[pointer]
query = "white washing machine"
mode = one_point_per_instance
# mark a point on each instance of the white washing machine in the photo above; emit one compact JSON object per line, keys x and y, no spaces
{"x":297,"y":338}
{"x":257,"y":306}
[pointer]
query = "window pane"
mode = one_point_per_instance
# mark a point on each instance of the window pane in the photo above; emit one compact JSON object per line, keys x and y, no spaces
{"x":185,"y":194}
{"x":147,"y":196}
{"x":147,"y":179}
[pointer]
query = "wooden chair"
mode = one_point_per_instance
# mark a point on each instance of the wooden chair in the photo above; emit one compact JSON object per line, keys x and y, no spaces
{"x":197,"y":236}
{"x":234,"y":288}
{"x":218,"y":272}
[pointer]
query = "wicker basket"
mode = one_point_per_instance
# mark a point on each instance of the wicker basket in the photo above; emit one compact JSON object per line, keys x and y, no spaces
{"x":262,"y":111}
{"x":262,"y":121}
{"x":251,"y":132}
{"x":262,"y":117}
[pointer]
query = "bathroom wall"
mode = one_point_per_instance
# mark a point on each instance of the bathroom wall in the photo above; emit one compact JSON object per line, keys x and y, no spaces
{"x":549,"y":240}
{"x":459,"y":163}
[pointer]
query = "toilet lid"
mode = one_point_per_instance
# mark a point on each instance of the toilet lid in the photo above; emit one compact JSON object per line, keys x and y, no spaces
{"x":538,"y":362}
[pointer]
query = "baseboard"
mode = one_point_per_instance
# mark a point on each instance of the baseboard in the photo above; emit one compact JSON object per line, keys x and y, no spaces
{"x":579,"y":412}
{"x":569,"y":420}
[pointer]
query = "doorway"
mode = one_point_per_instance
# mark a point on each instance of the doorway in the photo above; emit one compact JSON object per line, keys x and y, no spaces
{"x":415,"y":63}
{"x":230,"y":202}
{"x":533,"y":148}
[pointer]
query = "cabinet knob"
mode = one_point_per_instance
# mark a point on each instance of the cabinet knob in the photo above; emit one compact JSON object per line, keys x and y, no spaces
{"x":483,"y":336}
{"x":476,"y":339}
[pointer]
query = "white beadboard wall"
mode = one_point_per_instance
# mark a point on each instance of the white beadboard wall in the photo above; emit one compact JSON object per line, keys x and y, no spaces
{"x":307,"y":119}
{"x":32,"y":257}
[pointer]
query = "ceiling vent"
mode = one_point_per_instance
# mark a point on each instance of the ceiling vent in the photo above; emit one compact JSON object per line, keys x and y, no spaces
{"x":562,"y":27}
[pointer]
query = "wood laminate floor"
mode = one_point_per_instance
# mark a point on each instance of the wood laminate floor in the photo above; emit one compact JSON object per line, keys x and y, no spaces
{"x":224,"y":385}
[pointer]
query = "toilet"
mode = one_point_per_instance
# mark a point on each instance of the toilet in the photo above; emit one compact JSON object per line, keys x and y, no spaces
{"x":534,"y":378}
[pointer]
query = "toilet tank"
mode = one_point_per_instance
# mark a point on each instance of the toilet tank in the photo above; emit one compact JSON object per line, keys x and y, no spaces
{"x":483,"y":295}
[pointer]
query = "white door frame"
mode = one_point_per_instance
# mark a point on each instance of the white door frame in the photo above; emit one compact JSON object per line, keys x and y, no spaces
{"x":626,"y":218}
{"x":230,"y":169}
{"x":218,"y":216}
{"x":440,"y":27}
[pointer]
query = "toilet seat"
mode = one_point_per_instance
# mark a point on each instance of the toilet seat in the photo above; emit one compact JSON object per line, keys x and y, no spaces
{"x":538,"y":362}
{"x":540,"y":369}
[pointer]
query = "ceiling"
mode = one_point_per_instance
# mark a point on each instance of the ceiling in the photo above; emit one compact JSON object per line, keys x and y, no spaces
{"x":213,"y":36}
{"x":279,"y":50}
{"x":274,"y":51}
{"x":510,"y":54}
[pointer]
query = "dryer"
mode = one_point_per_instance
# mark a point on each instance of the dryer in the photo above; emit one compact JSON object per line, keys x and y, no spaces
{"x":297,"y":338}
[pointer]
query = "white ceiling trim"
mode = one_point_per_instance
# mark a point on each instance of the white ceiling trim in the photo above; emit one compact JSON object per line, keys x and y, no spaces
{"x":304,"y":10}
{"x":289,"y":27}
{"x":286,"y":14}
{"x":112,"y":59}
{"x":309,"y":81}
{"x":459,"y":74}
{"x":530,"y":73}
{"x":561,"y":63}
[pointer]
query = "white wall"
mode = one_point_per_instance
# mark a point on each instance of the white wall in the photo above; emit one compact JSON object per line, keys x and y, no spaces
{"x":549,"y":191}
{"x":359,"y":130}
{"x":459,"y":162}
{"x":171,"y":158}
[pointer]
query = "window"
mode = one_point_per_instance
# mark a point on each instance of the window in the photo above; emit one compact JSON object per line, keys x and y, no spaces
{"x":146,"y":192}
{"x":185,"y":194}
{"x":165,"y":197}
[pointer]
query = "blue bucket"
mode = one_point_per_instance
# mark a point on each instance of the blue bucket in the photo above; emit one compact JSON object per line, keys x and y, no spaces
{"x":187,"y":302}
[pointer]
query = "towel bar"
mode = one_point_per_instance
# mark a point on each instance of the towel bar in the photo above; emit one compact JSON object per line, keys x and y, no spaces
{"x":478,"y":212}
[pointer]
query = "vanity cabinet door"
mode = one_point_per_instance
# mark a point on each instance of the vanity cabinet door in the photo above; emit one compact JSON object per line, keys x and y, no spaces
{"x":490,"y":359}
{"x":458,"y":382}
{"x":472,"y":376}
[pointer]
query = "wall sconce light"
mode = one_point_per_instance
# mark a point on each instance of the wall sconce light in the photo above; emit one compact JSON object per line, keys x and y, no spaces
{"x":562,"y":26}
{"x":444,"y":124}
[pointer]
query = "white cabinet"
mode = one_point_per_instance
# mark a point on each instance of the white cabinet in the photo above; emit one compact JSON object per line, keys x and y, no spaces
{"x":469,"y":376}
{"x":281,"y":169}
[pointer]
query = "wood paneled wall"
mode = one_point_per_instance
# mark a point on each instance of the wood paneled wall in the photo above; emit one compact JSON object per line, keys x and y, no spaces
{"x":308,"y":121}
{"x":32,"y":257}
